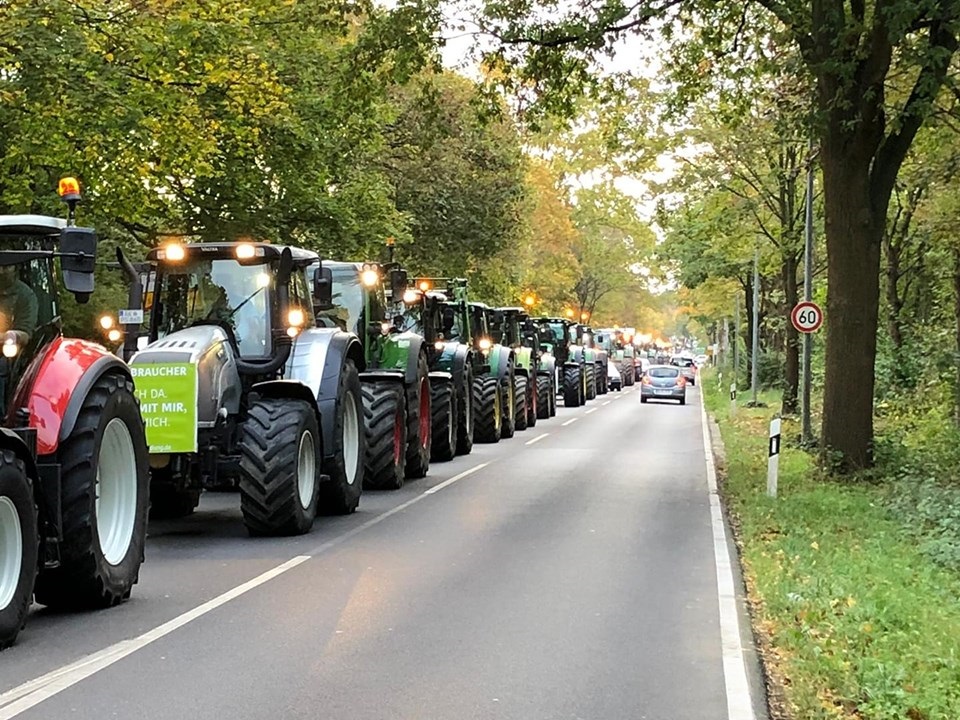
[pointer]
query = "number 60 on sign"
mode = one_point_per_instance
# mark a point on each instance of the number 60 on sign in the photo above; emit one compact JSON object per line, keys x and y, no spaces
{"x":807,"y":317}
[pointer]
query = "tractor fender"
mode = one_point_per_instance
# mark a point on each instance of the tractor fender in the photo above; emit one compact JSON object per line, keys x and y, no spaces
{"x":548,"y":365}
{"x":439,"y":377}
{"x":414,"y":350}
{"x":461,"y":360}
{"x":53,"y":390}
{"x":316,"y":362}
{"x":293,"y":390}
{"x":524,"y":361}
{"x":576,"y":355}
{"x":502,"y":361}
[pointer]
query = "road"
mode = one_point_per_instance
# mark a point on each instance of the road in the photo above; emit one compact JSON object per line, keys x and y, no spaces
{"x":566,"y":573}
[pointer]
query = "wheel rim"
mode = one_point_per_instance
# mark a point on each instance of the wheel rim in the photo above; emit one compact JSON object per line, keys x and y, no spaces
{"x":424,"y":414}
{"x":468,"y":413}
{"x":534,"y":403}
{"x":116,"y":504}
{"x":511,"y":401}
{"x":11,"y":551}
{"x":306,"y":469}
{"x":497,"y":414}
{"x":397,"y":437}
{"x":351,"y":439}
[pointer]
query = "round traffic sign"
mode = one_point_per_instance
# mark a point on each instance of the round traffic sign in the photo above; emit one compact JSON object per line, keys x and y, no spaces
{"x":807,"y":317}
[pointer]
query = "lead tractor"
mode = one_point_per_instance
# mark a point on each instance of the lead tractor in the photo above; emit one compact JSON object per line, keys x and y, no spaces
{"x":396,"y":379}
{"x":74,"y":490}
{"x":239,"y":389}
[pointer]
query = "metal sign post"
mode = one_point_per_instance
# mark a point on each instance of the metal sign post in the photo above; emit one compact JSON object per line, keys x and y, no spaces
{"x":773,"y":457}
{"x":733,"y":399}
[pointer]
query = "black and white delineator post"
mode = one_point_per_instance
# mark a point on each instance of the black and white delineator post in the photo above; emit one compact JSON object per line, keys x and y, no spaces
{"x":733,"y":398}
{"x":773,"y":457}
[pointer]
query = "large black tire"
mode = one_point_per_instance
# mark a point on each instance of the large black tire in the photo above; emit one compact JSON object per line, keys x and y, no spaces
{"x":168,"y":502}
{"x":533,"y":401}
{"x":508,"y":404}
{"x":385,"y":425}
{"x":487,"y":416}
{"x":106,"y":454}
{"x":18,"y":525}
{"x":465,"y":413}
{"x":419,"y":420}
{"x":520,"y":400}
{"x":591,"y":373}
{"x":279,"y":467}
{"x":543,"y":397}
{"x":553,"y":397}
{"x":445,"y":416}
{"x":341,"y":495}
{"x":603,"y":382}
{"x":571,"y":387}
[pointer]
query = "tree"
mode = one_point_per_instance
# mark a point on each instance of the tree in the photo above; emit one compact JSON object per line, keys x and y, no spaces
{"x":852,"y":50}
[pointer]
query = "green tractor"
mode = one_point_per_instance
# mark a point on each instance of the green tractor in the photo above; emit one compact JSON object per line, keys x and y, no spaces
{"x":502,"y":363}
{"x":396,"y":381}
{"x":571,"y":372}
{"x":597,"y":355}
{"x":451,"y":361}
{"x":619,"y":344}
{"x":535,"y":369}
{"x":237,"y":388}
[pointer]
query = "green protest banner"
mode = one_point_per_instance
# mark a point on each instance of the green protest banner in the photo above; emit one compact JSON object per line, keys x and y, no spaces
{"x":168,"y":403}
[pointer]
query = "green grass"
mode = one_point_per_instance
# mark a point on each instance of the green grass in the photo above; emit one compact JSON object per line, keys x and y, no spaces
{"x":862,"y":622}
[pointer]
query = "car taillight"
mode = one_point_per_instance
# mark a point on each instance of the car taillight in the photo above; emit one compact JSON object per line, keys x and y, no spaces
{"x":681,"y":381}
{"x":646,"y":379}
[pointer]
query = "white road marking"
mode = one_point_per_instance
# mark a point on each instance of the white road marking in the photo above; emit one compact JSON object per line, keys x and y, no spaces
{"x":618,"y":397}
{"x":591,"y":410}
{"x":739,"y":703}
{"x":536,"y":439}
{"x":20,"y":699}
{"x":455,"y":478}
{"x":607,"y":402}
{"x":568,"y":422}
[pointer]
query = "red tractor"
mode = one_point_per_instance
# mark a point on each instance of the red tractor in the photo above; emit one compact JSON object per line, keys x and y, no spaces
{"x":74,"y":483}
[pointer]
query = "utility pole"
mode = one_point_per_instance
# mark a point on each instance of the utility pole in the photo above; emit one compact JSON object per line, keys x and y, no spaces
{"x":806,"y":429}
{"x":755,"y":351}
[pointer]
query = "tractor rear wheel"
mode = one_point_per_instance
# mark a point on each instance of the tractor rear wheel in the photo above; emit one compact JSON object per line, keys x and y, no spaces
{"x":445,"y":416}
{"x":18,"y":546}
{"x":488,"y":417}
{"x":386,"y":429}
{"x":341,"y":495}
{"x":543,"y":397}
{"x":571,"y":387}
{"x":279,"y":467}
{"x":520,"y":398}
{"x":508,"y":404}
{"x":419,"y":422}
{"x":105,"y":486}
{"x":465,"y":413}
{"x":591,"y":373}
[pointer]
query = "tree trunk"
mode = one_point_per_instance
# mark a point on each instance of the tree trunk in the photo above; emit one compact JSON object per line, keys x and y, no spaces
{"x":748,"y":351}
{"x":791,"y":371}
{"x":853,"y":235}
{"x":894,"y":300}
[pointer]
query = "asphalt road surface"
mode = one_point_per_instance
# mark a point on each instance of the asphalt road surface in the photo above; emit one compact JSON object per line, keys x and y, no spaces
{"x":567,"y":573}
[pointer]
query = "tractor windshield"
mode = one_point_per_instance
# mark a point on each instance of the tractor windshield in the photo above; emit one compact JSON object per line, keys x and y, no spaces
{"x":220,"y":291}
{"x":347,"y":308}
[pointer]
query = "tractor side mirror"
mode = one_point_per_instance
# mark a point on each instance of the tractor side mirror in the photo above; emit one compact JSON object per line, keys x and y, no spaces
{"x":398,"y":283}
{"x":323,"y":288}
{"x":78,"y":256}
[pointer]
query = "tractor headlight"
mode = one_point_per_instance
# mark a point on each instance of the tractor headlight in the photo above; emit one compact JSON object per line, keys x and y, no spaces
{"x":296,"y":317}
{"x":107,"y":322}
{"x":245,"y":251}
{"x":439,"y":345}
{"x":485,"y":344}
{"x":173,"y":252}
{"x":114,"y":335}
{"x":410,"y":296}
{"x":10,"y":348}
{"x":293,"y":331}
{"x":369,"y":276}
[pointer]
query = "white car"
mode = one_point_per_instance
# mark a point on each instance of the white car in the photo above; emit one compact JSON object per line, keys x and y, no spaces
{"x":700,"y":360}
{"x":613,"y":376}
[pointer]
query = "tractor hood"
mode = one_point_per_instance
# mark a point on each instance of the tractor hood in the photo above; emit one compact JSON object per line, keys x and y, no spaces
{"x":208,"y":348}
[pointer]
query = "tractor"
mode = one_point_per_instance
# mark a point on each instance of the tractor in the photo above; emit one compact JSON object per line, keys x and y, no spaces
{"x":534,"y":369}
{"x":598,"y":356}
{"x":238,"y":389}
{"x":427,"y":312}
{"x":571,"y":373}
{"x":502,"y":363}
{"x":396,"y":379}
{"x":74,"y":469}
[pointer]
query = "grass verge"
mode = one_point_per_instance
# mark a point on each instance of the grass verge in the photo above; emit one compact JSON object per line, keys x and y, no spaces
{"x":858,"y":620}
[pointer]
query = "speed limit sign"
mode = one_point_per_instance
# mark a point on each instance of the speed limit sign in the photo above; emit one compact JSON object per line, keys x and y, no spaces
{"x":807,"y":317}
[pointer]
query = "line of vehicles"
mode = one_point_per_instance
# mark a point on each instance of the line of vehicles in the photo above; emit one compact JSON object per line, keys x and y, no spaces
{"x":259,"y":368}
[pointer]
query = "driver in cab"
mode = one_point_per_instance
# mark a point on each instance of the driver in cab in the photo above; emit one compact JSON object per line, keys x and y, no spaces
{"x":18,"y":307}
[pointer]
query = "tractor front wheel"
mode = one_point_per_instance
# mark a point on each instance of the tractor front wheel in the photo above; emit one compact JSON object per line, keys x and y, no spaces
{"x":543,"y":397}
{"x":488,"y":417}
{"x":18,"y":546}
{"x":445,"y":416}
{"x":105,"y":486}
{"x":279,"y":467}
{"x":418,"y":423}
{"x":591,"y":373}
{"x":384,"y":410}
{"x":465,"y":413}
{"x":520,"y":398}
{"x":571,"y":387}
{"x":508,"y":404}
{"x":341,"y":495}
{"x":533,"y":401}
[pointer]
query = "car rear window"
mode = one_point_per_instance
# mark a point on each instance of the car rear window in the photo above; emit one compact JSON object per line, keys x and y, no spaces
{"x":660,"y":372}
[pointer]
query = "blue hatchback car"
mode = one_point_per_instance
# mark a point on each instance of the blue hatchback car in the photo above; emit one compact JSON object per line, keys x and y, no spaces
{"x":663,"y":382}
